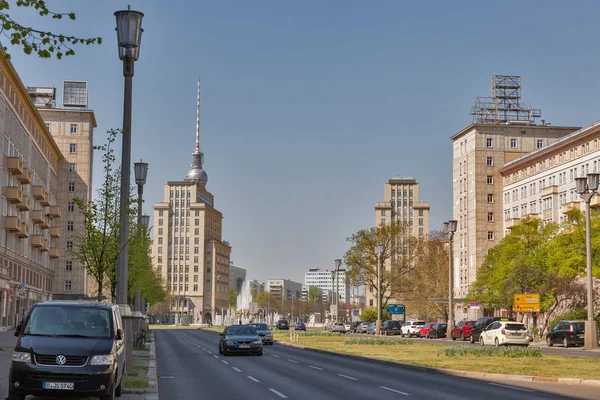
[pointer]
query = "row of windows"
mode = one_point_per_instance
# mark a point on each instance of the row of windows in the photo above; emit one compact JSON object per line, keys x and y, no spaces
{"x":183,"y":193}
{"x":73,"y":129}
{"x":513,"y":143}
{"x":403,"y":193}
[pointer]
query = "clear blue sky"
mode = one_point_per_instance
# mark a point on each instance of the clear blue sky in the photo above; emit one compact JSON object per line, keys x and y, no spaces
{"x":308,"y":108}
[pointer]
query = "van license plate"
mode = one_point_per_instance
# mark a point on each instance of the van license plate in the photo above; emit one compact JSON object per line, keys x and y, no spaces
{"x":59,"y":385}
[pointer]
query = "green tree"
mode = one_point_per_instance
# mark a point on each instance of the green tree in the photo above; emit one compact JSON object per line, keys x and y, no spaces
{"x":313,"y":295}
{"x":44,"y":43}
{"x":369,"y":314}
{"x":233,"y":294}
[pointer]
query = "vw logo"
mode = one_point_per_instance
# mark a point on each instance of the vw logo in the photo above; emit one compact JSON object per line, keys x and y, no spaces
{"x":61,"y":360}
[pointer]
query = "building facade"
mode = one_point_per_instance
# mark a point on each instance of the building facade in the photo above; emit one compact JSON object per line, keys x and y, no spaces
{"x":322,"y":295}
{"x":403,"y":204}
{"x":325,"y":280}
{"x":237,"y":276}
{"x":30,"y":161}
{"x":542,"y":184}
{"x":256,"y":287}
{"x":73,"y":132}
{"x":284,"y":289}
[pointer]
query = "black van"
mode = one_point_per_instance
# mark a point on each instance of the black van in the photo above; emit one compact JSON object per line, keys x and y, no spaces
{"x":72,"y":348}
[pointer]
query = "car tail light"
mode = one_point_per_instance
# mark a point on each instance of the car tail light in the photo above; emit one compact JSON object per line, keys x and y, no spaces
{"x":570,"y":329}
{"x":413,"y":326}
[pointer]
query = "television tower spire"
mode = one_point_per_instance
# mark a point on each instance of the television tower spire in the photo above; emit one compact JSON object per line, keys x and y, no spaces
{"x":197,"y":174}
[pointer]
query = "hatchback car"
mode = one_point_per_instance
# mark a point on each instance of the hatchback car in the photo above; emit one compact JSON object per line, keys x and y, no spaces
{"x":240,"y":339}
{"x":283,"y":324}
{"x":483,"y":323}
{"x":424,"y":331}
{"x":263,"y":332}
{"x":391,"y":328}
{"x":68,"y":348}
{"x":504,"y":333}
{"x":300,"y":326}
{"x":462,"y":330}
{"x":568,"y":333}
{"x":338,"y":327}
{"x":438,"y":331}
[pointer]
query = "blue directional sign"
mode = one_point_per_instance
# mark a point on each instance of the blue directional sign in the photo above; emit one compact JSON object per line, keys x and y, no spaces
{"x":395,"y":309}
{"x":22,"y":286}
{"x":355,"y":312}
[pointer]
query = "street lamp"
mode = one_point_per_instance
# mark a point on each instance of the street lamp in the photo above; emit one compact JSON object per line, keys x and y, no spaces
{"x":337,"y":264}
{"x":587,"y":188}
{"x":449,"y":229}
{"x":145,"y":223}
{"x":379,"y":252}
{"x":141,"y":171}
{"x":129,"y":34}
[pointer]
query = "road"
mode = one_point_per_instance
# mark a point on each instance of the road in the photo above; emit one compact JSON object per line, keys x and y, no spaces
{"x":189,"y":367}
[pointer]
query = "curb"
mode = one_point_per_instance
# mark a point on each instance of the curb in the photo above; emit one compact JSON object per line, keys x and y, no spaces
{"x":453,"y":372}
{"x":152,"y":378}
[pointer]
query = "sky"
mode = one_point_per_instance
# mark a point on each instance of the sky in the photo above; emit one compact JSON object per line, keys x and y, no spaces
{"x":308,"y":108}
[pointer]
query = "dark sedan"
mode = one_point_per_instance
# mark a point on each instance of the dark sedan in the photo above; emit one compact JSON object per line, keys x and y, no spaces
{"x":263,"y":332}
{"x":240,"y":339}
{"x":438,"y":331}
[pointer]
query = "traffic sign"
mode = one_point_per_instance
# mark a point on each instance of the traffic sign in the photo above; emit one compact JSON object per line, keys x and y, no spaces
{"x":395,"y":309}
{"x":526,"y":302}
{"x":474,"y":305}
{"x":355,"y":311}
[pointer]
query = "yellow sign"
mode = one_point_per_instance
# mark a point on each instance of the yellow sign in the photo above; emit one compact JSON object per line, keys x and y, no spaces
{"x":527,"y":302}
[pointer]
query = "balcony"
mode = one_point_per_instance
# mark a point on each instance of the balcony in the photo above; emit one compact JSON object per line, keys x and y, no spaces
{"x":595,"y":201}
{"x":37,"y":216}
{"x":549,"y":190}
{"x":45,"y":245}
{"x":25,"y":177}
{"x":38,"y":192}
{"x":46,"y":200}
{"x":512,"y":222}
{"x":45,"y":224}
{"x":13,"y":194}
{"x":12,"y":224}
{"x":14,"y":165}
{"x":54,"y":252}
{"x":55,"y":212}
{"x":37,"y":241}
{"x":24,"y":205}
{"x":568,"y":206}
{"x":24,"y":232}
{"x":54,"y":232}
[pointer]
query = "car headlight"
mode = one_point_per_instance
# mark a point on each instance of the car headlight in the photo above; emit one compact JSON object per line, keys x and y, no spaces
{"x":21,"y":356}
{"x":229,"y":342}
{"x":257,"y":342}
{"x":108,"y":359}
{"x":269,"y":335}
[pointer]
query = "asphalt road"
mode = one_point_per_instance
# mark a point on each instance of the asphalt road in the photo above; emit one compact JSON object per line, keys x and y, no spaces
{"x":189,"y":367}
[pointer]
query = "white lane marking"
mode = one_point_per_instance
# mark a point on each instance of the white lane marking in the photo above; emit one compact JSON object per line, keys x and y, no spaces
{"x":203,"y":349}
{"x":312,"y":366}
{"x":511,"y":387}
{"x":283,"y":396}
{"x":225,"y":362}
{"x":209,"y":352}
{"x":275,"y":355}
{"x":253,"y":379}
{"x":166,"y":377}
{"x":394,"y":390}
{"x":237,"y":369}
{"x":348,"y":377}
{"x":215,"y":356}
{"x":294,"y":361}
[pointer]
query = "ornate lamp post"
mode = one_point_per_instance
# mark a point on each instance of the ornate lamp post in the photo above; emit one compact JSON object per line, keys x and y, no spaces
{"x":449,"y":229}
{"x":379,"y":252}
{"x":141,"y":171}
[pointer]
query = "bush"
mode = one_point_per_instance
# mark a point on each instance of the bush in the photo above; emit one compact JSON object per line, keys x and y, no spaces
{"x":488,"y":351}
{"x":318,"y":333}
{"x":377,"y":341}
{"x":369,"y":314}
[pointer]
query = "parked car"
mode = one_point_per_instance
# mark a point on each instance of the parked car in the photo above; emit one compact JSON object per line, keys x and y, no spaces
{"x":68,"y":348}
{"x":348,"y":327}
{"x":371,"y":329}
{"x":391,"y":328}
{"x":362,"y":327}
{"x":300,"y":326}
{"x":438,"y":331}
{"x":355,"y":325}
{"x":481,"y":324}
{"x":411,"y":328}
{"x":503,"y":333}
{"x":462,"y":330}
{"x":263,"y":331}
{"x":568,"y":333}
{"x":240,"y":339}
{"x":283,"y":325}
{"x":424,"y":331}
{"x":339,"y":327}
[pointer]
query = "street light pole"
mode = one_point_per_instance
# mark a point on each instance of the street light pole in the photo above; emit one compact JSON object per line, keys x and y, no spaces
{"x":129,"y":35}
{"x":379,"y":252}
{"x":587,"y":188}
{"x":141,"y":171}
{"x":449,"y":229}
{"x":337,"y":263}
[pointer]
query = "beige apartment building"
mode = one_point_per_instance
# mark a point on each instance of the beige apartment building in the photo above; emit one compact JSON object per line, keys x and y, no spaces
{"x":403,"y":204}
{"x":542,"y":184}
{"x":73,"y":132}
{"x":188,"y":250}
{"x":30,"y":161}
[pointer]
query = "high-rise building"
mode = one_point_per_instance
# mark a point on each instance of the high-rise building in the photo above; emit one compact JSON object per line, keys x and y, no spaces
{"x":188,"y":249}
{"x":256,"y":287}
{"x":502,"y":130}
{"x":321,"y":294}
{"x":73,"y":131}
{"x":237,"y":276}
{"x":325,"y":280}
{"x":284,"y":288}
{"x":403,"y":204}
{"x":30,"y":160}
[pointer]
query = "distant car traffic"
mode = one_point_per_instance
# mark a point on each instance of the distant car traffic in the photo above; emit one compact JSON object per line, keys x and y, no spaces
{"x":240,"y":339}
{"x":263,"y":332}
{"x":300,"y":326}
{"x":338,"y":327}
{"x":283,"y":324}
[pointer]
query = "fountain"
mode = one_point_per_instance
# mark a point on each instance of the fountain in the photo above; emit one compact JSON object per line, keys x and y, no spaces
{"x":243,"y":301}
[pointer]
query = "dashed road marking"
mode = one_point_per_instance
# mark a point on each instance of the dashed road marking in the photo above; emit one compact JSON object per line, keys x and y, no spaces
{"x":511,"y":387}
{"x":294,"y":361}
{"x":215,"y":356}
{"x":313,"y":367}
{"x":283,"y":396}
{"x":253,"y":379}
{"x":224,"y":362}
{"x":237,"y":369}
{"x":348,"y":377}
{"x":394,"y":390}
{"x":275,"y":355}
{"x":210,"y":352}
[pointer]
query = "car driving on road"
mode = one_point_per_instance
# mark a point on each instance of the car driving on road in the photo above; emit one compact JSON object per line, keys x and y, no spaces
{"x":263,"y":331}
{"x":240,"y":339}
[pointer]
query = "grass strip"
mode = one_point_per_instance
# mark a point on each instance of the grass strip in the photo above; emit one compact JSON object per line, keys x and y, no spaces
{"x":134,"y":382}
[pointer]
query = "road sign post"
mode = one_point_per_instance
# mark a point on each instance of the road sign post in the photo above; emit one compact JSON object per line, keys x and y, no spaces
{"x":526,"y":302}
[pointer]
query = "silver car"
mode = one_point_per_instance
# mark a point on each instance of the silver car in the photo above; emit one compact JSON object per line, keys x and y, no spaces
{"x":263,"y":331}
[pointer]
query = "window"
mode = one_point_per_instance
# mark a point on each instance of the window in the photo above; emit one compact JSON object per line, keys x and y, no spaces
{"x":196,"y":231}
{"x":160,"y":222}
{"x":160,"y":213}
{"x":490,"y":217}
{"x":196,"y":222}
{"x":490,"y":197}
{"x":195,"y":288}
{"x":69,"y":245}
{"x":72,"y":167}
{"x":489,"y":143}
{"x":67,"y":286}
{"x":70,"y":206}
{"x":160,"y":250}
{"x":540,"y":143}
{"x":490,"y":179}
{"x":160,"y":240}
{"x":513,"y":143}
{"x":197,"y":213}
{"x":421,"y":231}
{"x":69,"y":266}
{"x":73,"y":148}
{"x":420,"y":213}
{"x":371,"y":302}
{"x":382,"y":221}
{"x":48,"y":127}
{"x":383,"y":213}
{"x":73,"y":129}
{"x":70,"y":226}
{"x":490,"y":235}
{"x":71,"y":186}
{"x":420,"y":221}
{"x":489,"y":161}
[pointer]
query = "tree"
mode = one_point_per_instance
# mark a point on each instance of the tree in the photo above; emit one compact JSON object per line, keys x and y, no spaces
{"x":313,"y":295}
{"x":233,"y":294}
{"x":398,"y":252}
{"x":44,"y":43}
{"x":369,"y":314}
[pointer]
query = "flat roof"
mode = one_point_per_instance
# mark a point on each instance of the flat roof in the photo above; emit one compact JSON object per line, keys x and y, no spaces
{"x":475,"y":126}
